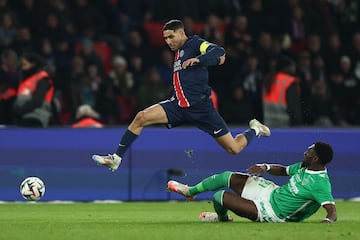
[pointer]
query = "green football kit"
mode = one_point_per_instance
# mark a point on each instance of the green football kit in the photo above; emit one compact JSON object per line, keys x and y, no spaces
{"x":303,"y":195}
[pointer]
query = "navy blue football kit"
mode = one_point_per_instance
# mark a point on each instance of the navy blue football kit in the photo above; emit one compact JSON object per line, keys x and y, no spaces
{"x":191,"y":101}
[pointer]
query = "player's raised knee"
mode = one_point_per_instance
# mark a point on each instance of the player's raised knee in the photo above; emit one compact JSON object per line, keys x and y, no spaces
{"x":140,"y":118}
{"x":233,"y":151}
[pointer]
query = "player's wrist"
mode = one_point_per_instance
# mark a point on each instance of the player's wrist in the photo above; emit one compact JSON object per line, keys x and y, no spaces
{"x":267,"y":167}
{"x":264,"y":166}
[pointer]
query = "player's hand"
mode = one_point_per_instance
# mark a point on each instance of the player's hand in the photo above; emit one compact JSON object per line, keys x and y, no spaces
{"x":257,"y":170}
{"x":190,"y":62}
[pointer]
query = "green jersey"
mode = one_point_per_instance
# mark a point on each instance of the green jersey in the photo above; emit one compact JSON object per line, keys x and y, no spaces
{"x":302,"y":195}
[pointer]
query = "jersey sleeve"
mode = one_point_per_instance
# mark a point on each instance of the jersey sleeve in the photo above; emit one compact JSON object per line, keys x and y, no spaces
{"x":292,"y":169}
{"x":322,"y":191}
{"x":210,"y":53}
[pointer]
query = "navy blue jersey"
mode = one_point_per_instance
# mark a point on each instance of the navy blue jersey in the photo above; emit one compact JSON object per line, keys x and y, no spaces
{"x":191,"y":84}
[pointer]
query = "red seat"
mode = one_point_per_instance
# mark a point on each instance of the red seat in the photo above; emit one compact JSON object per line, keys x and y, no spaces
{"x":103,"y":50}
{"x":105,"y":53}
{"x":154,"y":32}
{"x":198,"y":27}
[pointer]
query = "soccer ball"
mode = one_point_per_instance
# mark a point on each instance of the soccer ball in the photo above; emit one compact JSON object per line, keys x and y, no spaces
{"x":32,"y":188}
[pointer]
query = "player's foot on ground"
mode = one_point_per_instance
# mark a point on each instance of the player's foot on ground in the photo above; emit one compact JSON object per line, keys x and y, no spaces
{"x":180,"y":188}
{"x":212,"y":217}
{"x":111,"y":161}
{"x":260,"y":129}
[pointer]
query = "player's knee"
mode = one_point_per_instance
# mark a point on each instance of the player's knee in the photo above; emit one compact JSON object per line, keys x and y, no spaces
{"x":233,"y":151}
{"x":140,"y":118}
{"x":236,"y":148}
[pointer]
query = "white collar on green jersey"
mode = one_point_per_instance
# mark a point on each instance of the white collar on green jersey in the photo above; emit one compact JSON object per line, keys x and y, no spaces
{"x":315,"y":172}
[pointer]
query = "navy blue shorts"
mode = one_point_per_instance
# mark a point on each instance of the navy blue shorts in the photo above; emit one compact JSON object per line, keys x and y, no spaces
{"x":203,"y":115}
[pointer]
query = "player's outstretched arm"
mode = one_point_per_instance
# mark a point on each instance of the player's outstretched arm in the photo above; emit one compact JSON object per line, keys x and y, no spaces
{"x":331,"y":216}
{"x":273,"y":169}
{"x":222,"y":60}
{"x":213,"y":55}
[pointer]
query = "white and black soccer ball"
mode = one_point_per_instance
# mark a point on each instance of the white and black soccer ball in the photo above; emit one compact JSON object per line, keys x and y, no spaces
{"x":32,"y":188}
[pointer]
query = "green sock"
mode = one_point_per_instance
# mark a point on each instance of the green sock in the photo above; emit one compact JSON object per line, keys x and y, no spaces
{"x":218,"y":206}
{"x":211,"y":183}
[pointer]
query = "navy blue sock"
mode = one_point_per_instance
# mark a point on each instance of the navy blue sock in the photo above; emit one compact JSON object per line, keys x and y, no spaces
{"x":127,"y":139}
{"x":249,"y":135}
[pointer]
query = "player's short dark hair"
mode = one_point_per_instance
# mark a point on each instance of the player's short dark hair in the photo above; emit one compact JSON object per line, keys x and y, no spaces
{"x":174,"y":25}
{"x":324,"y":152}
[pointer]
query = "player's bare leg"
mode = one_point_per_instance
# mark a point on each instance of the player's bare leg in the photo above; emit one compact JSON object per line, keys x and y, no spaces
{"x":240,"y":206}
{"x":152,"y":115}
{"x":232,"y":145}
{"x":235,"y":145}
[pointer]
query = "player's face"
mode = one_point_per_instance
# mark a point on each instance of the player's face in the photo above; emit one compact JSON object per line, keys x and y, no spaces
{"x":309,"y":155}
{"x":174,"y":39}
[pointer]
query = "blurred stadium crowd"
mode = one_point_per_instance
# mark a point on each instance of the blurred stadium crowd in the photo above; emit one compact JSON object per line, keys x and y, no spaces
{"x":110,"y":55}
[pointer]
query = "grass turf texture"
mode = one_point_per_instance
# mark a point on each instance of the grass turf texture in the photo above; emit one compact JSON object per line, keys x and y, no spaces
{"x":159,"y":220}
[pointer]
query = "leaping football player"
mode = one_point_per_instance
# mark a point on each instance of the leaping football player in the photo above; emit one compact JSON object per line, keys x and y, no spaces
{"x":190,"y":102}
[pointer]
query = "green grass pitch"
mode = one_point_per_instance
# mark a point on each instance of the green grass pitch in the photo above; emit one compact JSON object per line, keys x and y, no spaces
{"x":160,"y":220}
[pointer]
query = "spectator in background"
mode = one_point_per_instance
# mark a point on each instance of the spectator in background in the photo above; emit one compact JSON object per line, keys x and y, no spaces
{"x":314,"y":45}
{"x":63,"y":53}
{"x":8,"y":84}
{"x":190,"y":26}
{"x":83,"y":92}
{"x":5,"y":7}
{"x":107,"y":103}
{"x":132,"y":14}
{"x":86,"y":16}
{"x":23,"y":41}
{"x":33,"y":104}
{"x":8,"y":29}
{"x":251,"y":79}
{"x":165,"y":67}
{"x":237,"y":31}
{"x":138,"y":69}
{"x":87,"y":52}
{"x":51,"y":29}
{"x":264,"y":51}
{"x":325,"y":109}
{"x":225,"y":9}
{"x":136,"y":43}
{"x":29,"y":15}
{"x":46,"y":50}
{"x":77,"y":67}
{"x":61,"y":9}
{"x":347,"y":18}
{"x":123,"y":84}
{"x":297,"y":19}
{"x":296,"y":29}
{"x":318,"y":69}
{"x":354,"y":53}
{"x":152,"y":90}
{"x":121,"y":78}
{"x":213,"y":30}
{"x":334,"y":50}
{"x":281,"y":97}
{"x":238,"y":109}
{"x":87,"y":117}
{"x":257,"y":19}
{"x":162,"y":10}
{"x":345,"y":90}
{"x":306,"y":81}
